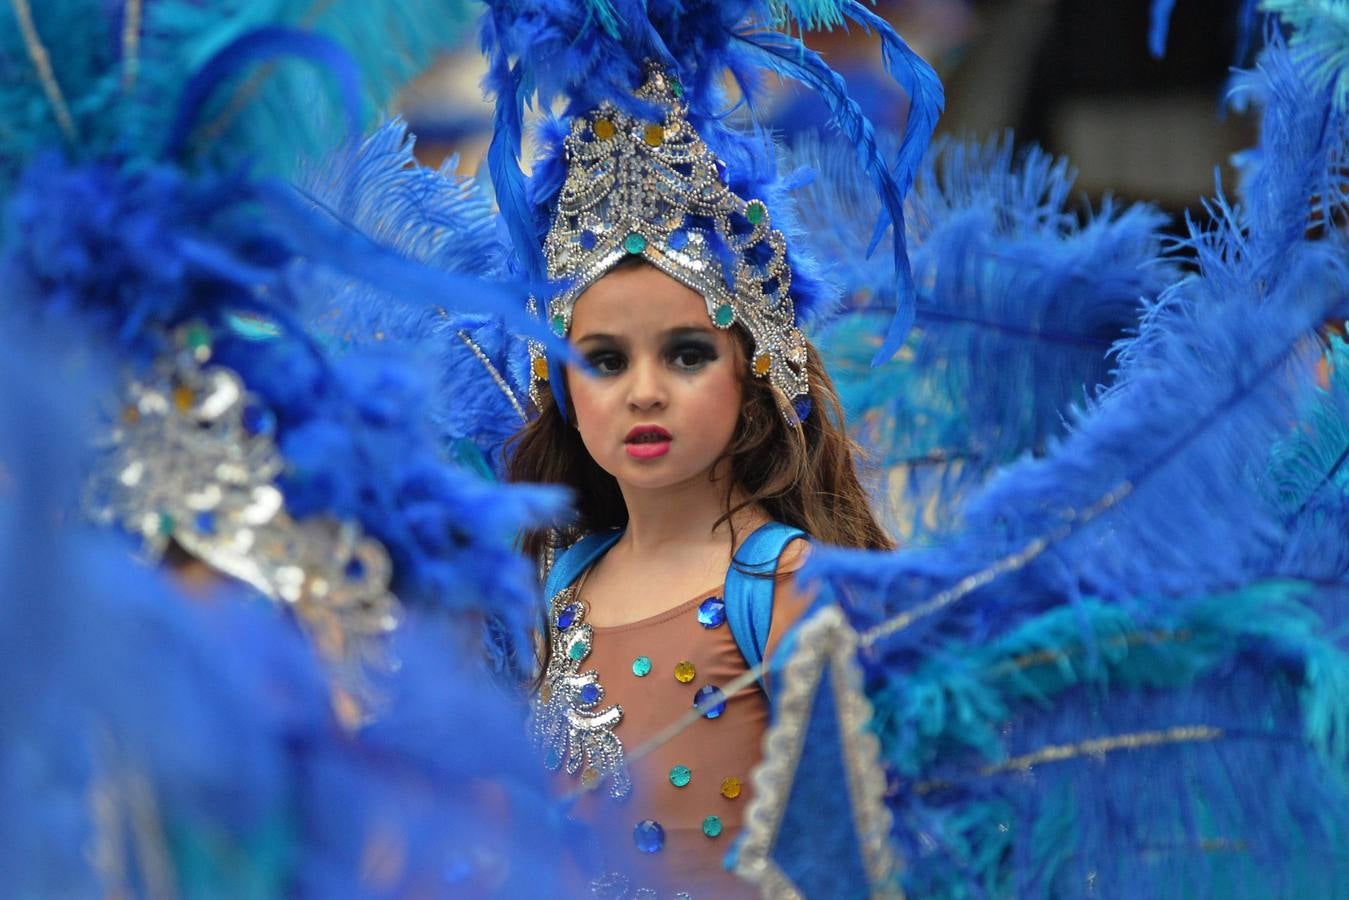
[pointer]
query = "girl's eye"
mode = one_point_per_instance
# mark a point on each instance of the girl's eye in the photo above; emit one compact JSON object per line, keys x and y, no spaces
{"x":692,"y":356}
{"x":606,"y":363}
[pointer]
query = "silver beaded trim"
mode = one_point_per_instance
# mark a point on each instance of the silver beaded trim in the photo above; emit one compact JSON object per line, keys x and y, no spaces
{"x":630,"y":187}
{"x":826,"y":643}
{"x":182,"y":466}
{"x":570,"y":732}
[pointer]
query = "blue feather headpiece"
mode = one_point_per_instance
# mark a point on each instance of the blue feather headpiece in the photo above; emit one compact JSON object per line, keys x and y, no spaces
{"x":318,"y":477}
{"x":598,"y":55}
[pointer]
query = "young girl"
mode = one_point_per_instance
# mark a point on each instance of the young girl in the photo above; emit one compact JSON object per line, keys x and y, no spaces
{"x":681,"y":459}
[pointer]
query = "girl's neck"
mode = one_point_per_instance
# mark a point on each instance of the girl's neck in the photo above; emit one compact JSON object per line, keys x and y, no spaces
{"x":683,"y":515}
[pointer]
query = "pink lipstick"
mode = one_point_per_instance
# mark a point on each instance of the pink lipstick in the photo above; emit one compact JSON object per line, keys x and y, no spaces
{"x":647,"y":442}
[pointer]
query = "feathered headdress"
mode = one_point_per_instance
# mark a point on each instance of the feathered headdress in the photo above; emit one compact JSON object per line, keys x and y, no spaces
{"x":646,"y":116}
{"x":311,"y":474}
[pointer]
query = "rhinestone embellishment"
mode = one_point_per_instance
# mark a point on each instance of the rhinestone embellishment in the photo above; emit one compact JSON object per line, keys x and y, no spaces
{"x":568,"y":724}
{"x":634,"y":185}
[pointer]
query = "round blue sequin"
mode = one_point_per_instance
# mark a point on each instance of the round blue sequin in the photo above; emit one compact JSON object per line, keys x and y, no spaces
{"x":355,"y":569}
{"x":567,"y":616}
{"x":257,"y":419}
{"x":587,"y":240}
{"x":205,"y":522}
{"x":649,"y":836}
{"x":678,"y":239}
{"x":711,"y":612}
{"x":590,"y":693}
{"x":710,"y":700}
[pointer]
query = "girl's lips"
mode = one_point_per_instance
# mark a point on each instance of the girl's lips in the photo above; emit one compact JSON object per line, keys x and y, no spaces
{"x":648,"y":449}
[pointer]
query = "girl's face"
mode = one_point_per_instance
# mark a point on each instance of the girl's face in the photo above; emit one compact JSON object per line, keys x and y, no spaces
{"x":664,"y":399}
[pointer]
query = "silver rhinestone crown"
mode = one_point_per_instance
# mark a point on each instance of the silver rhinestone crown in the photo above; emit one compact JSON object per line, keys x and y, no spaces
{"x":654,"y":190}
{"x":192,"y":460}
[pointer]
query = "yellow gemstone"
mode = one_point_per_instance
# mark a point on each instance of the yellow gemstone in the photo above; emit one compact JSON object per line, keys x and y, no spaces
{"x":540,"y":366}
{"x":603,"y":128}
{"x":684,"y":672}
{"x":654,"y":135}
{"x":762,"y":363}
{"x":183,"y":397}
{"x":589,"y":776}
{"x":730,"y":787}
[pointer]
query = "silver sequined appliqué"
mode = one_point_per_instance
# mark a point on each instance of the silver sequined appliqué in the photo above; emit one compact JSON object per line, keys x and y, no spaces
{"x":569,"y":725}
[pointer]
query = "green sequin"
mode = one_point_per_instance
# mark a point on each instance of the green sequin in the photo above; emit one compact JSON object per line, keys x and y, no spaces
{"x":198,"y":337}
{"x":680,"y":775}
{"x":634,"y":243}
{"x":165,"y":524}
{"x":641,"y":666}
{"x":578,"y":650}
{"x":559,"y":325}
{"x":755,"y":212}
{"x":712,"y":826}
{"x":724,"y":316}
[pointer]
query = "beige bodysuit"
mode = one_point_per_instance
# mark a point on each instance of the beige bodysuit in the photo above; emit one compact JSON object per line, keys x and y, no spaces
{"x":665,"y":821}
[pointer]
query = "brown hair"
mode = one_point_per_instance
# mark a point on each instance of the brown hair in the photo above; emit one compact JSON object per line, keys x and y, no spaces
{"x":803,"y":475}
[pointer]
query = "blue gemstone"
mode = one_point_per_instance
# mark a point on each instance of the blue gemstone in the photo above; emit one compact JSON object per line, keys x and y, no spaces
{"x":722,"y":175}
{"x":802,"y":406}
{"x":710,"y":700}
{"x":567,"y":617}
{"x":678,"y":239}
{"x":587,"y":240}
{"x":258,"y":420}
{"x":590,"y":693}
{"x":649,"y":836}
{"x":355,"y":569}
{"x":205,"y":523}
{"x":711,"y":612}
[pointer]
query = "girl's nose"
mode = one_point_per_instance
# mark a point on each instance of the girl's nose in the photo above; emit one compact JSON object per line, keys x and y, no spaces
{"x":646,"y":386}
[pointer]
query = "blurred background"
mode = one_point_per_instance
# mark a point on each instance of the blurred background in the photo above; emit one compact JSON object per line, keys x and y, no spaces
{"x":1073,"y":76}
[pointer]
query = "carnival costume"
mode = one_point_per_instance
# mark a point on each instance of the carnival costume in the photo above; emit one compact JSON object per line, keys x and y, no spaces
{"x":1111,"y":663}
{"x":1083,"y":685}
{"x":301,"y":729}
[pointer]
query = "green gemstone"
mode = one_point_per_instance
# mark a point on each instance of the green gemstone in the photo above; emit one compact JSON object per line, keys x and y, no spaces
{"x":712,"y":826}
{"x":755,"y":212}
{"x":559,"y":325}
{"x":724,"y":316}
{"x":198,"y":337}
{"x":579,"y":650}
{"x":641,"y":666}
{"x":634,"y":243}
{"x":680,"y":775}
{"x":165,"y":524}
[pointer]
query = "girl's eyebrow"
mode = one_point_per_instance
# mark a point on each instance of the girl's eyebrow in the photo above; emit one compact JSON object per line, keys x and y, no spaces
{"x":600,"y":338}
{"x":688,"y":331}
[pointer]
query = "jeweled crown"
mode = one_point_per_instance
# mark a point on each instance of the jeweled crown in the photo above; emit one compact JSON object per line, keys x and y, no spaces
{"x":656,"y":190}
{"x":192,"y":460}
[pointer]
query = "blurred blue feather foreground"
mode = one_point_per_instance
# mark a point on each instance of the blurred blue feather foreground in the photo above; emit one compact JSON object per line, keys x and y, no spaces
{"x":1131,"y":677}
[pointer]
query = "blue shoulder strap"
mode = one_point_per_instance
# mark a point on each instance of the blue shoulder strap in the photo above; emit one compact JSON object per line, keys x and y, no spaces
{"x":749,"y":594}
{"x":576,"y":559}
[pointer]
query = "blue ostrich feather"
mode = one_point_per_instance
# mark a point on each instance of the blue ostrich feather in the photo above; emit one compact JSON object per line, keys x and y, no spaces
{"x":1159,"y":26}
{"x":1253,"y":664}
{"x":1020,"y":298}
{"x":599,"y":53}
{"x":1320,"y":38}
{"x":120,"y":81}
{"x":189,"y":741}
{"x":1157,"y":568}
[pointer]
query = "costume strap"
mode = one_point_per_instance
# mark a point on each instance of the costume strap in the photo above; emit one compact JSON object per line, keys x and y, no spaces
{"x":749,"y":589}
{"x":577,"y":558}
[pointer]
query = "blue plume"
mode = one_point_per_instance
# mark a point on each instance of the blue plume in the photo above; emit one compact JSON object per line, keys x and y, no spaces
{"x":1020,"y":300}
{"x":593,"y":57}
{"x":1149,"y":571}
{"x":119,"y":80}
